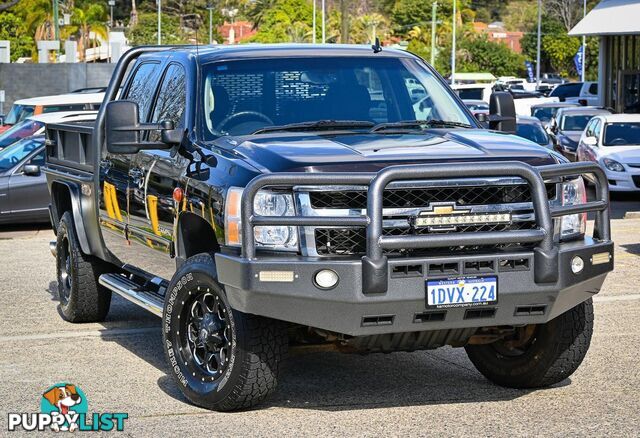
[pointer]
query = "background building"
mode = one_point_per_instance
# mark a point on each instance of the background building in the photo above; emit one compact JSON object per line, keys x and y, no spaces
{"x":617,"y":23}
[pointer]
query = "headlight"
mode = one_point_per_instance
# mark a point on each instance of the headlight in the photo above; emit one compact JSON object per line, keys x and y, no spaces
{"x":573,"y":225}
{"x":265,"y":203}
{"x":612,"y":165}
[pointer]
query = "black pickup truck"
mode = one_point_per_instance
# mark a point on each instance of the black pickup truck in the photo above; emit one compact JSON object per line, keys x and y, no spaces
{"x":261,"y":197}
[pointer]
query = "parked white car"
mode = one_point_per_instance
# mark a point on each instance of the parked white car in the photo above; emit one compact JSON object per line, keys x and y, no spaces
{"x":35,"y":125}
{"x":584,"y":93}
{"x":23,"y":108}
{"x":614,"y":142}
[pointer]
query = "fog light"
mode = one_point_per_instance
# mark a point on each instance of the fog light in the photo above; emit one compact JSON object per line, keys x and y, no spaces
{"x":577,"y":264}
{"x":326,"y":279}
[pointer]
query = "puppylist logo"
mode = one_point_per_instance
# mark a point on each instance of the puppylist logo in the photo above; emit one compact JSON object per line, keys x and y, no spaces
{"x":64,"y":407}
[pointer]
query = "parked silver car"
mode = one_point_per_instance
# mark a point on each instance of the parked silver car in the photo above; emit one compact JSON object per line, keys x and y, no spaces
{"x":23,"y":187}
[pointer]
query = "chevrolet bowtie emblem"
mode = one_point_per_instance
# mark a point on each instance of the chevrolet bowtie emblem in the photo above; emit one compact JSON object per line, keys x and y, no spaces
{"x":448,"y":216}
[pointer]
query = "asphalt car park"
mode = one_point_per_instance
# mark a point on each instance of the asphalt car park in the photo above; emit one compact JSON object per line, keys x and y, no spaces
{"x":120,"y":366}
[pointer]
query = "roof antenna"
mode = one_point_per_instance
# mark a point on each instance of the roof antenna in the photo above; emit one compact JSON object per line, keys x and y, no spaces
{"x":377,"y":47}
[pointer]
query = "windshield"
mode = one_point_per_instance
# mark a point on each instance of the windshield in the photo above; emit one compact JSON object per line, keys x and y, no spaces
{"x":621,"y":134}
{"x":17,"y":152}
{"x":575,"y":123}
{"x":18,"y":113}
{"x":544,"y":114}
{"x":21,"y":130}
{"x":533,"y":132}
{"x":241,"y":97}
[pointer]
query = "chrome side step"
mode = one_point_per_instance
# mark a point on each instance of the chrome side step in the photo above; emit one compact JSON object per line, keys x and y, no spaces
{"x":53,"y":248}
{"x":131,"y":291}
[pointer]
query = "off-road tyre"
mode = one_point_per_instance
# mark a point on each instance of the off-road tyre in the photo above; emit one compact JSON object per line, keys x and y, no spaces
{"x":553,"y":354}
{"x":251,"y":348}
{"x":82,"y":299}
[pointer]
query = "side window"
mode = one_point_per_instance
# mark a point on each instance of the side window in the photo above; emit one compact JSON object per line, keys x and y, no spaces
{"x":172,"y":98}
{"x":567,"y":90}
{"x":588,"y":132}
{"x":37,"y":159}
{"x":141,"y":88}
{"x":597,"y":126}
{"x":593,"y":88}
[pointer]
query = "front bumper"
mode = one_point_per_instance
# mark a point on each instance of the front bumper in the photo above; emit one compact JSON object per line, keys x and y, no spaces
{"x":379,"y":294}
{"x":402,"y":308}
{"x":628,"y":181}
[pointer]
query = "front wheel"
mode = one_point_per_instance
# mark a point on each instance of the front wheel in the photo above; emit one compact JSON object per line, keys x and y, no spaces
{"x":220,"y":358}
{"x":542,"y":355}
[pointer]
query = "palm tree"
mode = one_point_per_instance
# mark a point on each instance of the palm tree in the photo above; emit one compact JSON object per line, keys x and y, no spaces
{"x":90,"y":20}
{"x":39,"y":19}
{"x":299,"y":32}
{"x":259,"y":9}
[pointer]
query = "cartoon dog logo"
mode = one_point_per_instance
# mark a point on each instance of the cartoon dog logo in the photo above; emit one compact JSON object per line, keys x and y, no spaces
{"x":64,"y":398}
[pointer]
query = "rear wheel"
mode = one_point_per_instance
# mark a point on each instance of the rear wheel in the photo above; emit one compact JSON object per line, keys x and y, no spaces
{"x":82,"y":299}
{"x":542,"y":355}
{"x":220,"y":358}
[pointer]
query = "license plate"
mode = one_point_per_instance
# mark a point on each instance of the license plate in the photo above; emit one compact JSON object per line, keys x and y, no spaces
{"x":462,"y":292}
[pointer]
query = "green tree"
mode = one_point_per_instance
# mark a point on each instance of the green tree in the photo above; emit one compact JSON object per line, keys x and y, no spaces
{"x":488,"y":56}
{"x":146,"y":31}
{"x":91,"y":19}
{"x":38,"y":16}
{"x":277,"y":21}
{"x":407,"y":14}
{"x":557,"y":49}
{"x":257,"y":12}
{"x":560,"y":50}
{"x":520,"y":15}
{"x":12,"y":29}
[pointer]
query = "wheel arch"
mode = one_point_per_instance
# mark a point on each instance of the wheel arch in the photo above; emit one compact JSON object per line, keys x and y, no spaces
{"x":194,"y":235}
{"x":66,"y":197}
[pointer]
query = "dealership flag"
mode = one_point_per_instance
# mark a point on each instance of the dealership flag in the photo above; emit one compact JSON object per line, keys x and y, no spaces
{"x":529,"y":67}
{"x":577,"y":60}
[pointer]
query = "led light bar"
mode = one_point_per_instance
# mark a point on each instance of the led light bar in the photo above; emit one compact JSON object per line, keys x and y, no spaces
{"x":276,"y":276}
{"x":463,"y":219}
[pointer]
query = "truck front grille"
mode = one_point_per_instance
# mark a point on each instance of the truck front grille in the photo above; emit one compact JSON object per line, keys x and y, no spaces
{"x":351,"y":241}
{"x":422,"y":197}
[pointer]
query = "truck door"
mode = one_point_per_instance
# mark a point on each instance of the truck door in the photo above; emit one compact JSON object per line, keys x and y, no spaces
{"x":153,"y":208}
{"x":117,"y":180}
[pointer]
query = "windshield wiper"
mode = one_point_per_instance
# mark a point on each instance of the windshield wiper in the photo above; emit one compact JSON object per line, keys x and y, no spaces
{"x":317,"y":125}
{"x":419,"y":124}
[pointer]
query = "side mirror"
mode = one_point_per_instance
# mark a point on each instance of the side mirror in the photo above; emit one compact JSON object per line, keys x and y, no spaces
{"x":590,"y":141}
{"x":31,"y":170}
{"x":502,"y":112}
{"x":124,"y":132}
